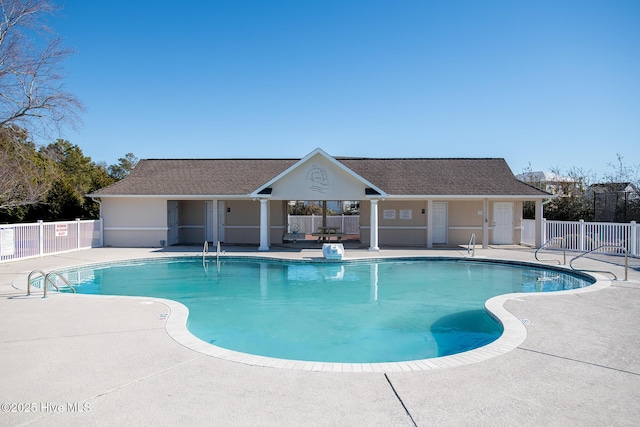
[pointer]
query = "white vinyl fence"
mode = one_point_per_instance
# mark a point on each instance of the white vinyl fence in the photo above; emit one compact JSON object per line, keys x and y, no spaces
{"x":307,"y":224}
{"x":586,"y":236}
{"x":20,"y":241}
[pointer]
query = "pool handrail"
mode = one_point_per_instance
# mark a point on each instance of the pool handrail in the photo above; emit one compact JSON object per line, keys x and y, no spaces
{"x":42,"y":273}
{"x":55,"y":273}
{"x":47,"y":278}
{"x":626,"y":261}
{"x":471,"y":249}
{"x":205,"y":250}
{"x":564,"y":250}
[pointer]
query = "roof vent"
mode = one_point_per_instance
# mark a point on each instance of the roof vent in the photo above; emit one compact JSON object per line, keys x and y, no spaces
{"x":370,"y":192}
{"x":267,"y":190}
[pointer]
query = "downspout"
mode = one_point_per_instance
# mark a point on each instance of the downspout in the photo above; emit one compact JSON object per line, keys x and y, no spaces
{"x":97,"y":199}
{"x":541,"y":234}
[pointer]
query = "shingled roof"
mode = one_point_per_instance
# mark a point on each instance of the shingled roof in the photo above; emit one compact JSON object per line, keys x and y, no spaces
{"x":395,"y":176}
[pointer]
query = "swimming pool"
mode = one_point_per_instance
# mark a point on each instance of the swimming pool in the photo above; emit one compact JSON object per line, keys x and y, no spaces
{"x":367,"y":311}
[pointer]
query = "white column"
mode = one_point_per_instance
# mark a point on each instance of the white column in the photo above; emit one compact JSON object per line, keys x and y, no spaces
{"x":485,"y":224}
{"x":373,"y":244}
{"x":429,"y":224}
{"x":264,"y":226}
{"x":539,"y":224}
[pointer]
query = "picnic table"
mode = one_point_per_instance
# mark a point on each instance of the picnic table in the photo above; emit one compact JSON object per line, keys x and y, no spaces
{"x":325,"y":234}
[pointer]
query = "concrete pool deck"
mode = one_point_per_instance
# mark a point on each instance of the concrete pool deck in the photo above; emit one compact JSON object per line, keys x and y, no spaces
{"x":84,"y":360}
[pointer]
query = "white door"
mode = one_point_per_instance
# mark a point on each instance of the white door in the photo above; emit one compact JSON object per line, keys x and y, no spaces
{"x":503,"y":223}
{"x":221,"y":216}
{"x":439,"y":223}
{"x":210,"y":224}
{"x":172,"y":222}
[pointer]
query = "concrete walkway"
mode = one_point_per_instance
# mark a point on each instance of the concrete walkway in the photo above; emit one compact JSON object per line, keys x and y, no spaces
{"x":84,"y":360}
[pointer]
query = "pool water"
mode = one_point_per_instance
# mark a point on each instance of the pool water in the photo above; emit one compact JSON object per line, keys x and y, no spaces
{"x":351,"y":312}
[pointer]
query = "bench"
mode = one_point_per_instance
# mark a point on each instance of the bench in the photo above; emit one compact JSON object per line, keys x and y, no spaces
{"x":326,"y":237}
{"x":291,"y":237}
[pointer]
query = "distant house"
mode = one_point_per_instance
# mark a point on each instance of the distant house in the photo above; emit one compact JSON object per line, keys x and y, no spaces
{"x":549,"y":182}
{"x":615,"y":201}
{"x":613,"y":188}
{"x":404,"y":202}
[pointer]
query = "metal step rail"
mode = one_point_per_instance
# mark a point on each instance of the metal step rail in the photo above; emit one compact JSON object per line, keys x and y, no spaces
{"x":548,"y":242}
{"x":205,"y":250}
{"x":626,"y":261}
{"x":48,"y":278}
{"x":471,"y":247}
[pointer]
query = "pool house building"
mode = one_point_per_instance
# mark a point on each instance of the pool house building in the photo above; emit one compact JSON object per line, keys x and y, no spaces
{"x":403,"y":202}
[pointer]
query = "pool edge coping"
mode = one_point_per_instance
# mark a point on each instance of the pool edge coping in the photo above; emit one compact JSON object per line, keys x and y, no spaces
{"x":514,"y":334}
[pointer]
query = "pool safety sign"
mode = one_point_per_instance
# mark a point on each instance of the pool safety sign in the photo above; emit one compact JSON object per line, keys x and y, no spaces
{"x":61,"y":230}
{"x":7,"y":241}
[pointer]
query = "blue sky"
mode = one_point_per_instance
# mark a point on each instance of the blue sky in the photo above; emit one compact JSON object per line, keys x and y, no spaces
{"x":554,"y":84}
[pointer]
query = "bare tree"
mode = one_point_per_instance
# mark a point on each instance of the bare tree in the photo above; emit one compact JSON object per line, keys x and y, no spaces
{"x":25,"y":175}
{"x":32,"y":94}
{"x":622,"y":172}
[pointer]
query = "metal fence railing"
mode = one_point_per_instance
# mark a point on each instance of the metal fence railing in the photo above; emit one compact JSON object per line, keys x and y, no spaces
{"x":20,"y":241}
{"x":586,"y":236}
{"x":307,"y":224}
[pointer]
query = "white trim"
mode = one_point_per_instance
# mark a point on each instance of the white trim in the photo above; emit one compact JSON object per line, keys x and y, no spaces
{"x":136,"y":228}
{"x":402,"y":227}
{"x":304,"y":160}
{"x":175,"y":196}
{"x":470,"y":227}
{"x":397,"y":227}
{"x":438,"y":197}
{"x":382,"y":196}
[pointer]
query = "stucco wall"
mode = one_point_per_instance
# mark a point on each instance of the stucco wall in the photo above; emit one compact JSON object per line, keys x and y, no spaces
{"x":277,"y":220}
{"x":517,"y":222}
{"x":130,"y":222}
{"x":191,"y":220}
{"x":465,"y":218}
{"x":402,"y":223}
{"x":242,"y":222}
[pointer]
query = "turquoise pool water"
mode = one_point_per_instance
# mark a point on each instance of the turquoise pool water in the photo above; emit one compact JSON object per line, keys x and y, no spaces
{"x":365,"y":311}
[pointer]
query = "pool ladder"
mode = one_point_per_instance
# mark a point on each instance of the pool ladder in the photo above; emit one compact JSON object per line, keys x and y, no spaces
{"x":471,"y":247}
{"x":48,"y":278}
{"x":205,"y":251}
{"x":626,"y":261}
{"x":548,"y":242}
